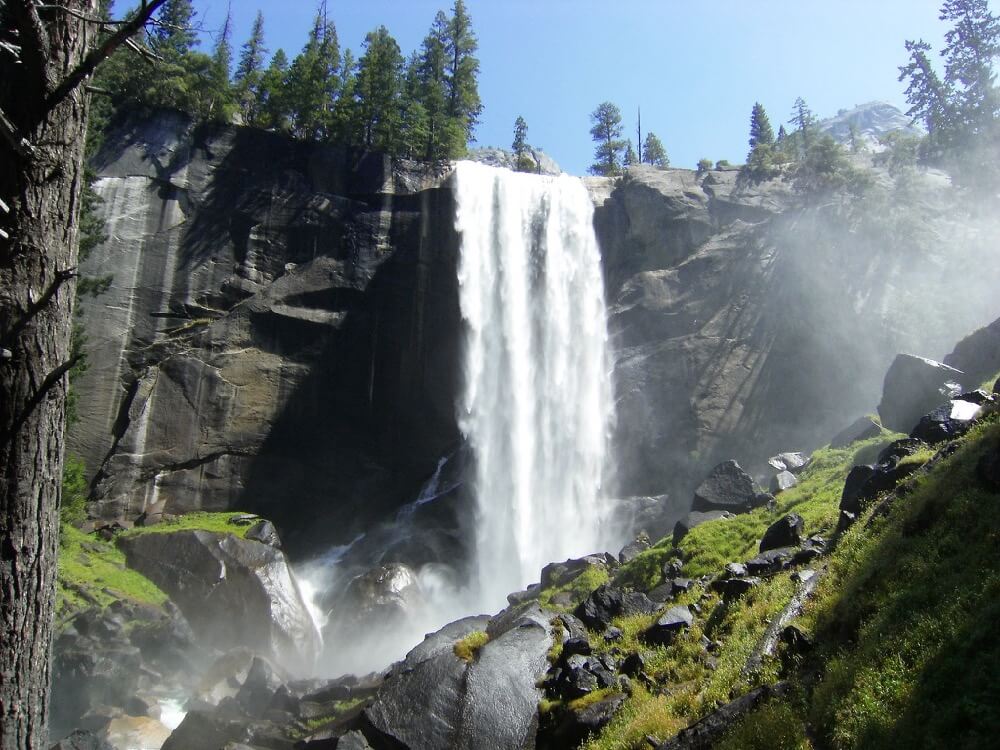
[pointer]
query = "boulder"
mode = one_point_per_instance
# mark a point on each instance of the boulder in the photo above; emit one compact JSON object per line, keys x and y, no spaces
{"x":734,"y":588}
{"x":607,"y":602}
{"x":695,"y":518}
{"x":708,"y":731}
{"x":783,"y":480}
{"x":785,"y":532}
{"x":668,"y":626}
{"x":80,"y":740}
{"x":570,"y":728}
{"x":792,"y":462}
{"x":203,"y":730}
{"x":383,"y":596}
{"x":634,"y":548}
{"x":231,"y":590}
{"x":577,"y":675}
{"x":264,"y":532}
{"x":913,"y":387}
{"x":770,"y":562}
{"x":948,"y":421}
{"x":861,"y":428}
{"x":856,"y":479}
{"x":728,"y":487}
{"x":561,"y":573}
{"x":988,"y":468}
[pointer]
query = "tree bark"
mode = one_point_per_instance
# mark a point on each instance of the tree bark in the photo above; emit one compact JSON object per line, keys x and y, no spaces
{"x":42,"y":190}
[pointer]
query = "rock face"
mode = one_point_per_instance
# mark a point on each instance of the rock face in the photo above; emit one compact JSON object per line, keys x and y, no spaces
{"x":231,"y":590}
{"x":280,"y":331}
{"x":977,"y":355}
{"x":739,"y":326}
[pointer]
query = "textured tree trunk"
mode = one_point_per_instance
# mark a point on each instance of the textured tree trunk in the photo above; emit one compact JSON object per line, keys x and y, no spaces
{"x":40,"y":183}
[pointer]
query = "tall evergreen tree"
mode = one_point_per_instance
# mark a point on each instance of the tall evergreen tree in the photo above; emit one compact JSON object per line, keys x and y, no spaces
{"x":802,"y":118}
{"x":442,"y":132}
{"x":631,"y":157}
{"x":760,"y":127}
{"x":221,"y":102}
{"x":653,"y":151}
{"x":273,"y":111}
{"x":606,"y":130}
{"x":250,"y":71}
{"x":378,"y":89}
{"x":971,"y":47}
{"x":312,"y":82}
{"x":343,"y":116}
{"x":522,"y":162}
{"x":464,"y":104}
{"x":174,"y":31}
{"x":926,"y":93}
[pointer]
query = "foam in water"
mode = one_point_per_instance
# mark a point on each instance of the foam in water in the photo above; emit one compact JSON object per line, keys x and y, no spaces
{"x":537,"y":401}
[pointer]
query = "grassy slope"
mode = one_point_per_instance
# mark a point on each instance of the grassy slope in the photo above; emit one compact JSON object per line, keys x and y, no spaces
{"x":92,"y":571}
{"x":906,"y":623}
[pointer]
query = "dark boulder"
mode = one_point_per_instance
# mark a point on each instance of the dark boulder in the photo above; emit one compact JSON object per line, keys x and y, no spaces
{"x":861,"y":428}
{"x":634,"y":548}
{"x":978,"y":354}
{"x":382,"y":597}
{"x":947,"y":422}
{"x":258,"y":689}
{"x":633,"y":665}
{"x":231,"y":590}
{"x":561,"y":573}
{"x":728,"y":487}
{"x":734,"y":588}
{"x":202,"y":730}
{"x":793,"y":462}
{"x":785,"y":532}
{"x":607,"y":602}
{"x":580,"y":675}
{"x":264,"y":532}
{"x":668,"y":626}
{"x":696,"y":518}
{"x":783,"y":480}
{"x":770,"y":562}
{"x":857,"y":478}
{"x":706,"y":733}
{"x":570,"y":728}
{"x":913,"y":387}
{"x":988,"y":467}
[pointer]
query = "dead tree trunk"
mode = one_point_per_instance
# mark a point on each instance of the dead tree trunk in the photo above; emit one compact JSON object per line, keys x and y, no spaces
{"x":43,"y":119}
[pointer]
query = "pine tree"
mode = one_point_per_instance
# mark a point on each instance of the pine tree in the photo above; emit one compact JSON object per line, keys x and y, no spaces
{"x":273,"y":111}
{"x":653,"y":151}
{"x":464,"y":105}
{"x":760,"y":127}
{"x":522,"y":162}
{"x":415,"y":123}
{"x":378,"y":117}
{"x":926,"y":93}
{"x":222,"y":102}
{"x":342,"y":116}
{"x":443,"y":134}
{"x":174,"y":32}
{"x":971,"y":47}
{"x":607,"y":133}
{"x":802,"y":118}
{"x":250,"y":72}
{"x":312,"y":82}
{"x":631,"y":157}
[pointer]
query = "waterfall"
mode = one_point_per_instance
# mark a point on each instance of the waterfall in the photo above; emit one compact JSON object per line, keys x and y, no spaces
{"x":537,"y":401}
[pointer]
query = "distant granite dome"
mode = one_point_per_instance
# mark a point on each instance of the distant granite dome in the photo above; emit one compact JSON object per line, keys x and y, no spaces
{"x":501,"y":157}
{"x":873,"y":120}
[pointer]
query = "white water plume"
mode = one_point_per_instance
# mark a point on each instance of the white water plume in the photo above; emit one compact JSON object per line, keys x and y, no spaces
{"x":537,"y":400}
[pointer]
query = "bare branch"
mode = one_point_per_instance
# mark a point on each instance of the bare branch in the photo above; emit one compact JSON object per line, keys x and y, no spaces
{"x":38,"y":396}
{"x":36,"y":307}
{"x":86,"y":68}
{"x":22,"y":147}
{"x":144,"y":52}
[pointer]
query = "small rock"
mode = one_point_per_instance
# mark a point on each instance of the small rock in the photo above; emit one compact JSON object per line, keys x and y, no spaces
{"x":845,"y":520}
{"x":607,"y":602}
{"x":613,"y":634}
{"x":81,"y":740}
{"x":668,"y":625}
{"x":633,"y":665}
{"x":735,"y":570}
{"x":805,"y":555}
{"x":244,"y":519}
{"x":783,"y":480}
{"x":264,"y":532}
{"x":576,"y":646}
{"x":947,"y":422}
{"x":769,"y":562}
{"x":791,"y":462}
{"x":734,"y":588}
{"x":633,"y":549}
{"x":729,"y":488}
{"x":785,"y":532}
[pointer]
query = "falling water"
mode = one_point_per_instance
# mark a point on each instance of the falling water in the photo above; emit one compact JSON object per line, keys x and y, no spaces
{"x":537,"y":400}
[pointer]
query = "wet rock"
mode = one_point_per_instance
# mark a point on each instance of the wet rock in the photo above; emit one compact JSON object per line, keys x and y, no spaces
{"x":915,"y":386}
{"x":231,"y":590}
{"x":696,"y":518}
{"x":264,"y":532}
{"x":947,"y":422}
{"x":382,"y":597}
{"x":607,"y":602}
{"x":793,"y":462}
{"x":785,"y":532}
{"x":668,"y":626}
{"x":770,"y":562}
{"x":201,"y":730}
{"x":633,"y":549}
{"x":259,"y":687}
{"x":572,"y":626}
{"x":783,"y":480}
{"x":728,"y":487}
{"x":860,"y":429}
{"x":857,"y":478}
{"x":571,"y":728}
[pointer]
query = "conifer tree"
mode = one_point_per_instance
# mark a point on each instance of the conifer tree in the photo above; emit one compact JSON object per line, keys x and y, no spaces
{"x":631,"y":157}
{"x":273,"y":111}
{"x":342,"y":127}
{"x":312,"y":82}
{"x":760,"y":127}
{"x":653,"y":151}
{"x":378,"y":116}
{"x":522,"y":161}
{"x":606,"y":130}
{"x":971,"y":47}
{"x":174,"y":32}
{"x":250,"y":72}
{"x":432,"y":94}
{"x":803,"y":119}
{"x":221,"y":103}
{"x":464,"y":104}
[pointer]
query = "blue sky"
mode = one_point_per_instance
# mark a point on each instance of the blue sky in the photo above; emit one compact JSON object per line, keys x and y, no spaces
{"x":695,"y":68}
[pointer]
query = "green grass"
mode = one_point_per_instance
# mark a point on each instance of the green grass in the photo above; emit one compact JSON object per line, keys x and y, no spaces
{"x":74,"y":491}
{"x":197,"y":521}
{"x":905,"y":622}
{"x":708,"y":547}
{"x":92,"y":572}
{"x":578,"y":589}
{"x":467,"y":647}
